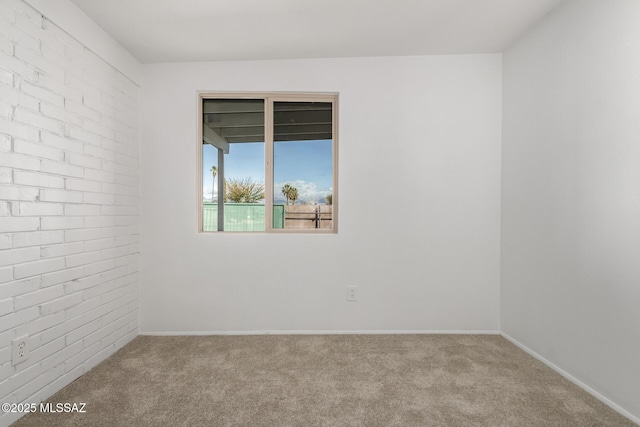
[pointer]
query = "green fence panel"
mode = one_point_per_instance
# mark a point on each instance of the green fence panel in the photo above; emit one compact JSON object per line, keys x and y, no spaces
{"x":278,"y":216}
{"x":240,"y":217}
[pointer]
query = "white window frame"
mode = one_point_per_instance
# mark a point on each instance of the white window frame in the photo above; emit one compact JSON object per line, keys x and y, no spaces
{"x":269,"y":99}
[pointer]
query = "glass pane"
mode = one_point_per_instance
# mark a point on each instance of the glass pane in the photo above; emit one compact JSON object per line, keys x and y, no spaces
{"x":303,"y":165}
{"x":233,"y":159}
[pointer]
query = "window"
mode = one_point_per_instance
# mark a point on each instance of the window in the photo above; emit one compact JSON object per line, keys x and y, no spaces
{"x":268,"y":163}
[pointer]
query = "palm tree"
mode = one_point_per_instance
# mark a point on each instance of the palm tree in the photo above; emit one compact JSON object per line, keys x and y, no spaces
{"x":290,"y":193}
{"x":214,"y":172}
{"x":286,"y":190}
{"x":293,"y":195}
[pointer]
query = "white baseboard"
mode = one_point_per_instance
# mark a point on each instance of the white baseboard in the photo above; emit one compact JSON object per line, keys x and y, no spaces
{"x":574,"y":380}
{"x":325,"y":332}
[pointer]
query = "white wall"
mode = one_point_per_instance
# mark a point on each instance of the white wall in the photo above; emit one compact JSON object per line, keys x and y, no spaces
{"x":68,"y":206}
{"x":571,"y":195}
{"x":423,"y":131}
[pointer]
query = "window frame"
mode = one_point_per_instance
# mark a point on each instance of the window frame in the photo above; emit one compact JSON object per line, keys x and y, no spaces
{"x":269,"y":99}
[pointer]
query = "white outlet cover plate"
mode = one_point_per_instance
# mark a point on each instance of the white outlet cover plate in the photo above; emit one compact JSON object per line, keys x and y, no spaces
{"x":352,"y":293}
{"x":20,"y":349}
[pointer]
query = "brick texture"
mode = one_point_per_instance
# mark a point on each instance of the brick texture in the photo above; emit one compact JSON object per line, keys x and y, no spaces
{"x":69,"y":197}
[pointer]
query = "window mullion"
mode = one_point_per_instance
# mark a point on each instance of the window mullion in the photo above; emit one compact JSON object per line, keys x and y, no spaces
{"x":268,"y":164}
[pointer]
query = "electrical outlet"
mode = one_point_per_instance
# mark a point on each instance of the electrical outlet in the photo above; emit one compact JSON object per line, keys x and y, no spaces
{"x":20,"y":349}
{"x":352,"y":293}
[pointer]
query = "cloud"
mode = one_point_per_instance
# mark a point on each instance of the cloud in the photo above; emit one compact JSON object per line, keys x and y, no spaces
{"x":206,"y":192}
{"x":308,"y":192}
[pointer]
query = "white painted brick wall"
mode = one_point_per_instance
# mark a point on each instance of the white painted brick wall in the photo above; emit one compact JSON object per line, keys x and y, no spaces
{"x":69,"y":213}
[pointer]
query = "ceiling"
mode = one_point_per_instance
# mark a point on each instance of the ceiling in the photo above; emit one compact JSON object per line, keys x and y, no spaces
{"x":217,"y":30}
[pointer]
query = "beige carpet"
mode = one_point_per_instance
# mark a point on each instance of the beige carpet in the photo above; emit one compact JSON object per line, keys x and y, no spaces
{"x":336,"y":380}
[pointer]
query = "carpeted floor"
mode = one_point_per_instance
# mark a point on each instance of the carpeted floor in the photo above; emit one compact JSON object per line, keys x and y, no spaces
{"x":326,"y":380}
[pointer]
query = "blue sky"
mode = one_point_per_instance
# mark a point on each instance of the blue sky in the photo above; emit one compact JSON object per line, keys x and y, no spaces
{"x":307,"y":165}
